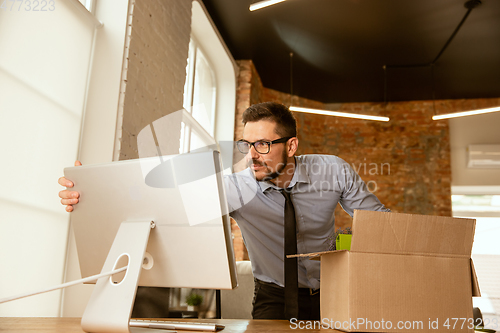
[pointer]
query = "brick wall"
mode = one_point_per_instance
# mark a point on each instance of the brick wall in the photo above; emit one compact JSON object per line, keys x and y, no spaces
{"x":405,"y":162}
{"x":251,"y":91}
{"x":154,"y":69}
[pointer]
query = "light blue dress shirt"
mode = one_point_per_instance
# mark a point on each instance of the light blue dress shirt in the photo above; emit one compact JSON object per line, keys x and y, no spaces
{"x":318,"y":184}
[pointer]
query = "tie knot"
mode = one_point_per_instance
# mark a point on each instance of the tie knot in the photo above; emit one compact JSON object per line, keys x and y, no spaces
{"x":286,"y":193}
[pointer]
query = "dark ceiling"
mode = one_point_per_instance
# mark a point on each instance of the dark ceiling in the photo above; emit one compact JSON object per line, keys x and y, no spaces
{"x":340,"y":47}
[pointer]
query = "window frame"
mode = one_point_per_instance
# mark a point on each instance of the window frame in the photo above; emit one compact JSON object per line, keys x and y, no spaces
{"x":190,"y":124}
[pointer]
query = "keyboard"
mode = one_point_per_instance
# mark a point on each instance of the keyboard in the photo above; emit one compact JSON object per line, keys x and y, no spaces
{"x":176,"y":325}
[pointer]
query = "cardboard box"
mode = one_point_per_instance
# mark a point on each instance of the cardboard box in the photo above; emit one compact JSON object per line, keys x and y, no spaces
{"x":403,"y":273}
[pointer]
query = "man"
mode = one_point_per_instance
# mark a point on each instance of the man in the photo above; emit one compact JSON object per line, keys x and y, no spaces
{"x":279,"y":191}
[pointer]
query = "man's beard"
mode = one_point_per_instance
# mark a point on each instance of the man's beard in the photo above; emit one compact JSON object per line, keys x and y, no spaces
{"x":275,"y":174}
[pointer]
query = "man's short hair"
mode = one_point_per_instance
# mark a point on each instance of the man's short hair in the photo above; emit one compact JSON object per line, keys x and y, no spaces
{"x":286,"y":125}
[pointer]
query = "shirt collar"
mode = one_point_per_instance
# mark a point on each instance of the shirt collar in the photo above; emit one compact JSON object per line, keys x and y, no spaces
{"x":299,"y":176}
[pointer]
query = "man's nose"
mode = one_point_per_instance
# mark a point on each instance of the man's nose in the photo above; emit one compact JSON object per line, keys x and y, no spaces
{"x":252,"y":153}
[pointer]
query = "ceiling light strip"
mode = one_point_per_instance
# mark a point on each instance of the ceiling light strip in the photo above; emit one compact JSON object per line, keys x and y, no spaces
{"x":262,"y":4}
{"x":465,"y":113}
{"x":339,"y":114}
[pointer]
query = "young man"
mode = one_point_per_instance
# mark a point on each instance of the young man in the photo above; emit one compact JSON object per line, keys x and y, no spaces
{"x":279,"y":191}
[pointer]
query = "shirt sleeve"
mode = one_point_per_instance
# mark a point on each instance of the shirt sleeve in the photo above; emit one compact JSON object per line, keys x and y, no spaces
{"x":230,"y":192}
{"x":355,"y":194}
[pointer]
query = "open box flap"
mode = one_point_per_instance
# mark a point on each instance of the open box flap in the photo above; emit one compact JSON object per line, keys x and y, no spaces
{"x":475,"y":284}
{"x":312,"y":255}
{"x":384,"y":232}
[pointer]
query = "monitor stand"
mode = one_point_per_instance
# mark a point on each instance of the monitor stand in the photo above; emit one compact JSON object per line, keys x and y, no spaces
{"x":110,"y":306}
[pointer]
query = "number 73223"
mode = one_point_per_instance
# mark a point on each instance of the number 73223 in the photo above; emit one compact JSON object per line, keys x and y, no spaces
{"x":28,"y":5}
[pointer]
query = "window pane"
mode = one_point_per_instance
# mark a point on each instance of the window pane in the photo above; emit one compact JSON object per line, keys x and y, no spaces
{"x":476,"y":204}
{"x":486,"y":236}
{"x":204,"y":93}
{"x":485,"y":251}
{"x":197,"y":143}
{"x":87,"y":4}
{"x":40,"y":121}
{"x":184,"y":143}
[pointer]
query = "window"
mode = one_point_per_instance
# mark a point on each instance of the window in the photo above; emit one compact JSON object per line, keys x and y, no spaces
{"x":198,"y":125}
{"x":41,"y":108}
{"x":89,"y":4}
{"x":208,"y":119}
{"x":485,"y":208}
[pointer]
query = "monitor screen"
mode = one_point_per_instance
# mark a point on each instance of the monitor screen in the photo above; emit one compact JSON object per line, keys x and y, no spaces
{"x":183,"y":195}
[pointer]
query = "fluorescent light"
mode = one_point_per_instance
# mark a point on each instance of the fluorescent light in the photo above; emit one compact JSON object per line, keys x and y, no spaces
{"x":338,"y":114}
{"x":465,"y":113}
{"x":262,"y":4}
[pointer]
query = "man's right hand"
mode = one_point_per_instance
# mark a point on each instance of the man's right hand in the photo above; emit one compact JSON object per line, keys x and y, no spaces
{"x":68,"y":198}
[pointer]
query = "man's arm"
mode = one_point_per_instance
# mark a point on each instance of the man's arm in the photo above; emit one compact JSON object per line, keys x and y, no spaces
{"x":68,"y":198}
{"x":356,"y":194}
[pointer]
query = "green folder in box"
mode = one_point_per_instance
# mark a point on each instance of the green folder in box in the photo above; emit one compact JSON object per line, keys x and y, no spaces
{"x":343,"y":242}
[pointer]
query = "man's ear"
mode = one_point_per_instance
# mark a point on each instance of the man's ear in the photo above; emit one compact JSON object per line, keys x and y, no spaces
{"x":293,"y":145}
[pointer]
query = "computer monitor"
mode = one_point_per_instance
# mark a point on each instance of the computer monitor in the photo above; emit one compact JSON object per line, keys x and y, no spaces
{"x":183,"y":195}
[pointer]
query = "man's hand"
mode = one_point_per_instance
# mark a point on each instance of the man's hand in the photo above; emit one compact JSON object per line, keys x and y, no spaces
{"x":68,"y":198}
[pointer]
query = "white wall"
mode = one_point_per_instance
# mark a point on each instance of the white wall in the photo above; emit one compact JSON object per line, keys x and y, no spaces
{"x":44,"y":59}
{"x":479,"y":129}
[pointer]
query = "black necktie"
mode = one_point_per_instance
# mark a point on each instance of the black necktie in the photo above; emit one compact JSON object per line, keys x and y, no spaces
{"x":291,"y":271}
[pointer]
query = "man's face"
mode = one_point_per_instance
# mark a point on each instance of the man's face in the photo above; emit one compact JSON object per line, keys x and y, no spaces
{"x":265,"y":166}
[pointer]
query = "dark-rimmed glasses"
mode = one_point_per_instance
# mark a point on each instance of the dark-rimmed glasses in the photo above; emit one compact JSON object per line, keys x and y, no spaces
{"x":262,"y":147}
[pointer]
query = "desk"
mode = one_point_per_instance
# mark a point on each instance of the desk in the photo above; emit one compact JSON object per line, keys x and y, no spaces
{"x":72,"y":325}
